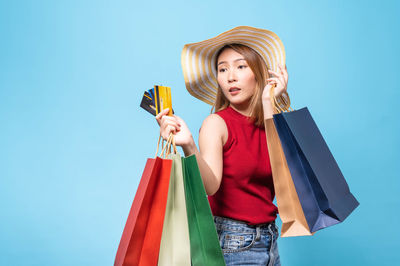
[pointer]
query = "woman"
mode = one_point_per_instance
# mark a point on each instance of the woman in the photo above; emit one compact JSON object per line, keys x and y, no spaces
{"x":233,"y":157}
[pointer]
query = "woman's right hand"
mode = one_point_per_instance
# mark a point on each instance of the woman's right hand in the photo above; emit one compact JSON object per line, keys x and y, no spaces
{"x":176,"y":125}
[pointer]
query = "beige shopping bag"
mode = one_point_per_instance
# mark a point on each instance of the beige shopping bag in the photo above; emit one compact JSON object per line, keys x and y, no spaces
{"x":175,"y":242}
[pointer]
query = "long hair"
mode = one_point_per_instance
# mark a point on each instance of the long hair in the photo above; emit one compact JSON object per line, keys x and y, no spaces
{"x":260,"y":70}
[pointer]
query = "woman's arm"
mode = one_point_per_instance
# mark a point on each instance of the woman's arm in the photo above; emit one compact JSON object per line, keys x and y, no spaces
{"x":267,"y":108}
{"x":212,"y":134}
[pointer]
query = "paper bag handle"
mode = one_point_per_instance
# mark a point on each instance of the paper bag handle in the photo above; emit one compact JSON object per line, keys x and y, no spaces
{"x":166,"y":150}
{"x":280,"y":104}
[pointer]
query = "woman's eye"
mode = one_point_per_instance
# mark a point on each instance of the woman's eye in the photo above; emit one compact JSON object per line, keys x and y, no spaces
{"x":242,"y":66}
{"x":222,"y":70}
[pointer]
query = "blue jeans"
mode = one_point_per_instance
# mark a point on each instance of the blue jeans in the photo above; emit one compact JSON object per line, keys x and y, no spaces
{"x":243,"y":244}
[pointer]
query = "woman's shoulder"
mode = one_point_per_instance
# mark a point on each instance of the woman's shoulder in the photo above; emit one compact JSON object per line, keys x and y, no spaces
{"x":215,"y":125}
{"x":214,"y":121}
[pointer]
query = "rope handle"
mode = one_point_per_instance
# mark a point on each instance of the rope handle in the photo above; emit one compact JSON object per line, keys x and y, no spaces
{"x":166,"y":150}
{"x":281,"y":103}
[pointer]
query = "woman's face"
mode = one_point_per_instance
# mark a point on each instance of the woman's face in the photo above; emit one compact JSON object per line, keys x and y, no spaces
{"x":235,"y":77}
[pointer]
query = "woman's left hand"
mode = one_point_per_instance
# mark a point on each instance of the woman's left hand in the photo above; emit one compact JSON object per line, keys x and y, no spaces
{"x":280,"y":80}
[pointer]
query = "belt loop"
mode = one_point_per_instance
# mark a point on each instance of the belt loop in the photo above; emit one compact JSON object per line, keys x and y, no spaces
{"x":271,"y":253}
{"x":258,"y":234}
{"x":270,"y":228}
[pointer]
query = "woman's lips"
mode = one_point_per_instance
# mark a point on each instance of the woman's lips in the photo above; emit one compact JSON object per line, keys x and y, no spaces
{"x":234,"y":90}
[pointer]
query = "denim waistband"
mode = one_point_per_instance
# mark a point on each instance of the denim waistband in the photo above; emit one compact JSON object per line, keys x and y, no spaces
{"x":241,"y":226}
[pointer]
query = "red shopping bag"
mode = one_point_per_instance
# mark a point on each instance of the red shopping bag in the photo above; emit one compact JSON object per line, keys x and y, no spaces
{"x":140,"y":241}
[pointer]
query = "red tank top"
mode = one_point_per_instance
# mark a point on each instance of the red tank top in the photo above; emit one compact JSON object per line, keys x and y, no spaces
{"x":246,"y":192}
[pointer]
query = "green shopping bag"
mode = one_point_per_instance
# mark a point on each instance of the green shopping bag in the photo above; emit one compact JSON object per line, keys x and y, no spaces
{"x":204,"y":244}
{"x":175,"y":242}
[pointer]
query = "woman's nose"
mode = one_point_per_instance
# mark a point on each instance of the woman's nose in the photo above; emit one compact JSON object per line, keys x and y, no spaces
{"x":232,"y":76}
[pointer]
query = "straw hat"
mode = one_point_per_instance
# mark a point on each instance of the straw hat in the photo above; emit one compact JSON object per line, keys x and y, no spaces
{"x":198,"y":59}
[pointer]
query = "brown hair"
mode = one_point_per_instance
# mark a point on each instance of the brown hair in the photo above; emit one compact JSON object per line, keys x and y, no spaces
{"x":260,"y":70}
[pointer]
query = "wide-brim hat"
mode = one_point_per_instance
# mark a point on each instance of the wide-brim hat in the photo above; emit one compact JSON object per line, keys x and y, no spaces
{"x":198,"y":59}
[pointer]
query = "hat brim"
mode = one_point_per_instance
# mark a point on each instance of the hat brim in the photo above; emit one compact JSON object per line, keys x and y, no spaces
{"x":198,"y":59}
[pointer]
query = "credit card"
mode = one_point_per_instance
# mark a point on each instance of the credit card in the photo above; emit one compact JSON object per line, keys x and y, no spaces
{"x":148,"y":103}
{"x":157,"y":99}
{"x":162,"y":98}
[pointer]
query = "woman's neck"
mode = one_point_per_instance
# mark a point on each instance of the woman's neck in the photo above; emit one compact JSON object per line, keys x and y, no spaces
{"x":244,"y":108}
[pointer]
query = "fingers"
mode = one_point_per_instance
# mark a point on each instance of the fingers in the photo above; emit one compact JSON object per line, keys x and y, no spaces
{"x":168,"y":124}
{"x":167,"y":130}
{"x":280,"y":86}
{"x":282,"y":74}
{"x":276,"y":81}
{"x":173,"y":123}
{"x":278,"y":76}
{"x":161,"y":114}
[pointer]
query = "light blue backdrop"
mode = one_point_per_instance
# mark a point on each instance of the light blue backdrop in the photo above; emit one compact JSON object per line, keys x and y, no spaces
{"x":74,"y":142}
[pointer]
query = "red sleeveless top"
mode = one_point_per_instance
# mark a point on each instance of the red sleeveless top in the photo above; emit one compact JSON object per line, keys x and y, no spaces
{"x":247,"y":191}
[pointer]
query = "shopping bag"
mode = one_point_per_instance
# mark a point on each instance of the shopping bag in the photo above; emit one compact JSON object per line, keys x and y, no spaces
{"x":140,"y":241}
{"x":289,"y":208}
{"x":322,"y":190}
{"x":175,"y":242}
{"x":205,"y":249}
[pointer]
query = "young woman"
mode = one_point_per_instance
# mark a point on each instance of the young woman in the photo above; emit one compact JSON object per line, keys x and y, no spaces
{"x":233,"y":157}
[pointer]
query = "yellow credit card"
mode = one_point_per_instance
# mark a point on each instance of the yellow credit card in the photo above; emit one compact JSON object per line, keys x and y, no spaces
{"x":162,"y":99}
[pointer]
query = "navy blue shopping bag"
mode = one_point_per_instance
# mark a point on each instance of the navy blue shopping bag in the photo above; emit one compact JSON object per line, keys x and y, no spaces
{"x":323,"y":191}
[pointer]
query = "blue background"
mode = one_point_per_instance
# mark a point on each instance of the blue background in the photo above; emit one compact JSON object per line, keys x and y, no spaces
{"x":74,"y":142}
